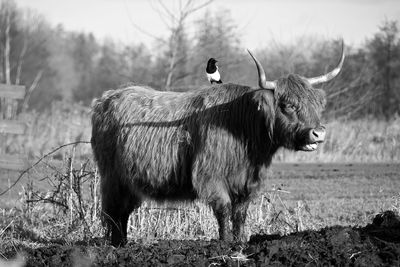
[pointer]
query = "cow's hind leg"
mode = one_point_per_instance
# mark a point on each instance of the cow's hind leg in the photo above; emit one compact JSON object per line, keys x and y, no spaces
{"x":119,"y":220}
{"x":118,"y":203}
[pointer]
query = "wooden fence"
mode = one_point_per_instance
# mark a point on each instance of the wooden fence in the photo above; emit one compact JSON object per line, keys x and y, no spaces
{"x":9,"y":96}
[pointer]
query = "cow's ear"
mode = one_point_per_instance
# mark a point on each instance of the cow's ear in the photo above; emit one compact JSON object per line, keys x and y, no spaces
{"x":267,"y":107}
{"x":266,"y":102}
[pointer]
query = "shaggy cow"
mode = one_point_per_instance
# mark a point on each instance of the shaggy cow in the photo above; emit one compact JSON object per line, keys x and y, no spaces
{"x":208,"y":144}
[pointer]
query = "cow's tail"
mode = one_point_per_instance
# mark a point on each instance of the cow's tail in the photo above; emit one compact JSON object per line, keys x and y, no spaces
{"x":103,"y":142}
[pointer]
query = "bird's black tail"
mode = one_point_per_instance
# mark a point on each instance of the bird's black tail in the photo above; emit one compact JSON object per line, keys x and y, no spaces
{"x":220,"y":81}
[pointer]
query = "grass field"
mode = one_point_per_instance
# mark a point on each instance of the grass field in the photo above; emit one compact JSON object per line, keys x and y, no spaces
{"x":295,"y":197}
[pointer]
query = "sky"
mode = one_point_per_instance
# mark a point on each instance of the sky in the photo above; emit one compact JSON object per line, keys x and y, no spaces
{"x":259,"y":21}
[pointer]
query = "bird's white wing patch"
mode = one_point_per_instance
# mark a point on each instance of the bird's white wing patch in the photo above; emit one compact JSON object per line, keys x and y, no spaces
{"x":213,"y":76}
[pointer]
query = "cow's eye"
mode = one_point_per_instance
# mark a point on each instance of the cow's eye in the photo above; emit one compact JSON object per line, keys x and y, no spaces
{"x":290,"y":108}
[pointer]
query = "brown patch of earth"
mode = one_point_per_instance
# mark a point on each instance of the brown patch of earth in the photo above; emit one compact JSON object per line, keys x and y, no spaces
{"x":377,"y":244}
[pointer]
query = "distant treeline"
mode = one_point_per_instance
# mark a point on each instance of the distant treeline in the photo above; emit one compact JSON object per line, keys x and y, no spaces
{"x":56,"y":64}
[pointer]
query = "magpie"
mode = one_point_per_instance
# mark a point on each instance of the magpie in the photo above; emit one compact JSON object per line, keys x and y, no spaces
{"x":212,"y":72}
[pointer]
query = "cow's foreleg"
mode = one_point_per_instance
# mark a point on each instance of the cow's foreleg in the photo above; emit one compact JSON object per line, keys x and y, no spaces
{"x":222,"y":212}
{"x":239,"y":213}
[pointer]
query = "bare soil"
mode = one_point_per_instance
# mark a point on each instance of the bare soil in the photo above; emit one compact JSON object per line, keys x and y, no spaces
{"x":376,"y":244}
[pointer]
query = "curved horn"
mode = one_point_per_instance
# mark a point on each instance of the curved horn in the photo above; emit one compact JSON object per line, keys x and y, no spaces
{"x":262,"y":80}
{"x":330,"y":75}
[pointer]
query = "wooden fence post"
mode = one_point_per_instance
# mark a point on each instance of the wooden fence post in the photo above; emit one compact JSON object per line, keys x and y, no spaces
{"x":9,"y":94}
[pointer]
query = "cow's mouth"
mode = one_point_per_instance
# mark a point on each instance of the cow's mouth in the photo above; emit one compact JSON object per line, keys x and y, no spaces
{"x":309,"y":147}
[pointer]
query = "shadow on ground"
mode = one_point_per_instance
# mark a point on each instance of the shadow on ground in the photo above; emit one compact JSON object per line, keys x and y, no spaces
{"x":377,"y":244}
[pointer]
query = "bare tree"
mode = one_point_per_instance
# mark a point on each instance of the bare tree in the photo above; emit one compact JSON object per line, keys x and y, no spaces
{"x":384,"y":54}
{"x":176,"y":24}
{"x":175,"y":20}
{"x":6,"y":53}
{"x":7,"y":106}
{"x":14,"y":41}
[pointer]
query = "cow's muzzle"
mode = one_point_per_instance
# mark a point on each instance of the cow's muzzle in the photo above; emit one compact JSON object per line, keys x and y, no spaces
{"x":315,"y":136}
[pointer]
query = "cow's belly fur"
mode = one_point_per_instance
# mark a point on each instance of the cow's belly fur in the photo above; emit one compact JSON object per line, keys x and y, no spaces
{"x":169,"y":164}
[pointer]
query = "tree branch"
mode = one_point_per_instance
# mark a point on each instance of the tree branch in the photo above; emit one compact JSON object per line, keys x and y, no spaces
{"x":194,"y":9}
{"x":167,"y":11}
{"x":38,"y":161}
{"x":137,"y":27}
{"x":30,"y":90}
{"x":20,"y":61}
{"x":7,"y":49}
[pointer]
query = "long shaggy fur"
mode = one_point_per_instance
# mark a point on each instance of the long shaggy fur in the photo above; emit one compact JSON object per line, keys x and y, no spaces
{"x":207,"y":144}
{"x":154,"y":138}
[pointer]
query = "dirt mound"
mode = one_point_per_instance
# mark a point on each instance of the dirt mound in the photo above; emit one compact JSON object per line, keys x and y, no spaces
{"x":377,"y":244}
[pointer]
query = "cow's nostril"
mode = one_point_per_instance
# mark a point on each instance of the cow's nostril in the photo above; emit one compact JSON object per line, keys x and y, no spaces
{"x":317,"y":135}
